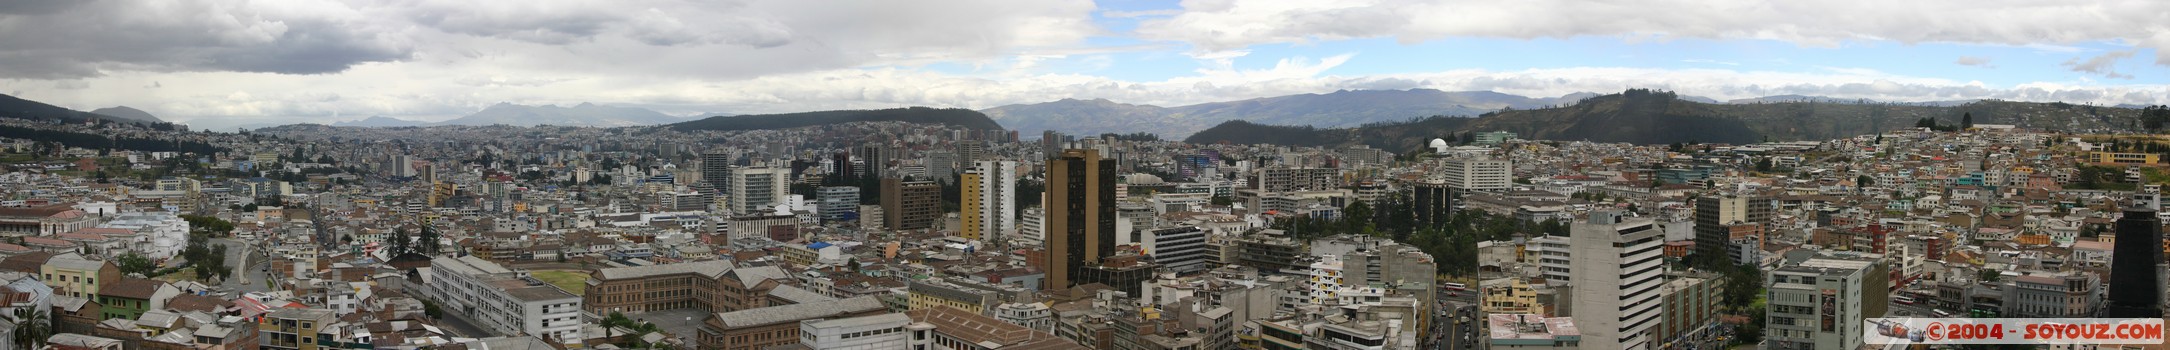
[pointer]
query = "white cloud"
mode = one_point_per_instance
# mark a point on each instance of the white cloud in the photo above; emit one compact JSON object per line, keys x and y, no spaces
{"x":420,"y":92}
{"x":1977,"y":61}
{"x":1214,"y":25}
{"x":2104,"y":64}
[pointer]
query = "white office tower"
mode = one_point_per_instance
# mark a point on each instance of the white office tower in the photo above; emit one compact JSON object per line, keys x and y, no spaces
{"x":1617,"y":269}
{"x":1478,"y":174}
{"x":994,"y":204}
{"x":756,"y":188}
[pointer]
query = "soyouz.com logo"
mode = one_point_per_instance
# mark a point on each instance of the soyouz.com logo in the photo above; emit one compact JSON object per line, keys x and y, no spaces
{"x":2013,"y":331}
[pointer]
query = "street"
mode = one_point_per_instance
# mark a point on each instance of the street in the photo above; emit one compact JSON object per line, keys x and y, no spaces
{"x":248,"y":268}
{"x":1449,"y":332}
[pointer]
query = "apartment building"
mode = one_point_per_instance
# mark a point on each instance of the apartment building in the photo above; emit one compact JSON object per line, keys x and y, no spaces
{"x":1821,"y":301}
{"x":293,"y":329}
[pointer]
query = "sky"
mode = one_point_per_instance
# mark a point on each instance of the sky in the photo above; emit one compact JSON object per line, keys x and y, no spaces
{"x":235,"y":62}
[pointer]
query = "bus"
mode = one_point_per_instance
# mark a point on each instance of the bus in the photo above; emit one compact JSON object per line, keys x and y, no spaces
{"x":1457,"y":286}
{"x":1905,"y":300}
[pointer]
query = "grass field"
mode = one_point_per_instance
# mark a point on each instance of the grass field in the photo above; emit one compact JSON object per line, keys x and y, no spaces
{"x":575,"y":281}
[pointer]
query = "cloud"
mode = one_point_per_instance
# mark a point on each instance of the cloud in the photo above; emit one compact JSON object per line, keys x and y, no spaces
{"x":1977,"y":61}
{"x":90,"y":38}
{"x":724,"y":39}
{"x":1214,"y":25}
{"x":2104,"y":64}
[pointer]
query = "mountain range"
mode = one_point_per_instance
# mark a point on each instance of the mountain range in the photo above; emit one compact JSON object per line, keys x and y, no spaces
{"x":124,"y":112}
{"x":18,"y":108}
{"x":1345,"y":108}
{"x":584,"y":114}
{"x":1656,"y":117}
{"x":380,"y":122}
{"x":947,"y":116}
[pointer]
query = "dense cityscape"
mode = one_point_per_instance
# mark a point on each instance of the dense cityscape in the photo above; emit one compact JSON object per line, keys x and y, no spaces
{"x":895,"y":235}
{"x":1084,"y":175}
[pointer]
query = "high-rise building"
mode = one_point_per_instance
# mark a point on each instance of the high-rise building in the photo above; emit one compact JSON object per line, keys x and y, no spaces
{"x":837,"y":203}
{"x":1617,"y":270}
{"x":1297,"y":179}
{"x":755,"y":188}
{"x":1080,"y":211}
{"x":989,"y":205}
{"x":1821,"y":301}
{"x":716,"y":169}
{"x":940,"y":165}
{"x":972,"y":151}
{"x":1715,"y":220}
{"x":1433,"y":202}
{"x":844,"y":170}
{"x":910,"y":205}
{"x":2135,"y":276}
{"x":876,"y":158}
{"x":1478,"y":174}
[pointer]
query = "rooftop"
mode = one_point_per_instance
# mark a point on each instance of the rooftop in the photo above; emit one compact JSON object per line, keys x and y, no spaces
{"x":710,"y":268}
{"x":797,"y":312}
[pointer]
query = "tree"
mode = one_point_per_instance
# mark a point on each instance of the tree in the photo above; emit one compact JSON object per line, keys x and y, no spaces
{"x":32,"y":326}
{"x":132,"y":263}
{"x":429,"y":241}
{"x":1966,"y":121}
{"x":399,"y":243}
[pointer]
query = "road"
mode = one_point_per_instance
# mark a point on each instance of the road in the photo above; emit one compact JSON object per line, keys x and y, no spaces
{"x":1454,"y":335}
{"x":248,"y":268}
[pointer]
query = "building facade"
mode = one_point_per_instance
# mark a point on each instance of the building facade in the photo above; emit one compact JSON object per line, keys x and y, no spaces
{"x":911,"y":205}
{"x":1618,"y":271}
{"x":1080,"y":211}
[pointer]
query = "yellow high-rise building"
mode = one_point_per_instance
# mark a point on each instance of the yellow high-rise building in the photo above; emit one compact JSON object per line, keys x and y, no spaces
{"x":969,"y":209}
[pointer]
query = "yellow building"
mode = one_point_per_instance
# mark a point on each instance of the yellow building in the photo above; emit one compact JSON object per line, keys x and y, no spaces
{"x":292,"y":329}
{"x":931,"y":294}
{"x":1508,"y":296}
{"x":2123,"y":158}
{"x":72,"y":275}
{"x":973,"y":223}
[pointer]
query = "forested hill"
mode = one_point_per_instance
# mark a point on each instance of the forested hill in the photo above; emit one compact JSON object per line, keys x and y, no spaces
{"x":1657,"y":117}
{"x":945,"y":116}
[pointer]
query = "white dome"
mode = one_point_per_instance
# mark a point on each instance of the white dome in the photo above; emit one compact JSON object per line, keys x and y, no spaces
{"x":1439,"y":143}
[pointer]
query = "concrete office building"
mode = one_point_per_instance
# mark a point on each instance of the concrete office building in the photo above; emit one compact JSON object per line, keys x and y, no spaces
{"x":755,"y":189}
{"x":1080,"y":213}
{"x":503,"y":300}
{"x":1821,"y":301}
{"x":1478,"y":174}
{"x":1618,"y":270}
{"x":1182,"y":249}
{"x":913,"y":205}
{"x":716,"y":168}
{"x":837,"y":203}
{"x":1716,"y":217}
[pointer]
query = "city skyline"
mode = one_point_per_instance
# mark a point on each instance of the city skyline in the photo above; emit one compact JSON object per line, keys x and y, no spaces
{"x":242,"y":63}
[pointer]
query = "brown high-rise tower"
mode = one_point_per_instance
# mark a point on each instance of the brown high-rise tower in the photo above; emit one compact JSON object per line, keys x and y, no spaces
{"x":1080,"y":211}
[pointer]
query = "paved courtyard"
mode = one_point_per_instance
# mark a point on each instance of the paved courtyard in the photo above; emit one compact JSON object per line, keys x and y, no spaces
{"x":683,"y":323}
